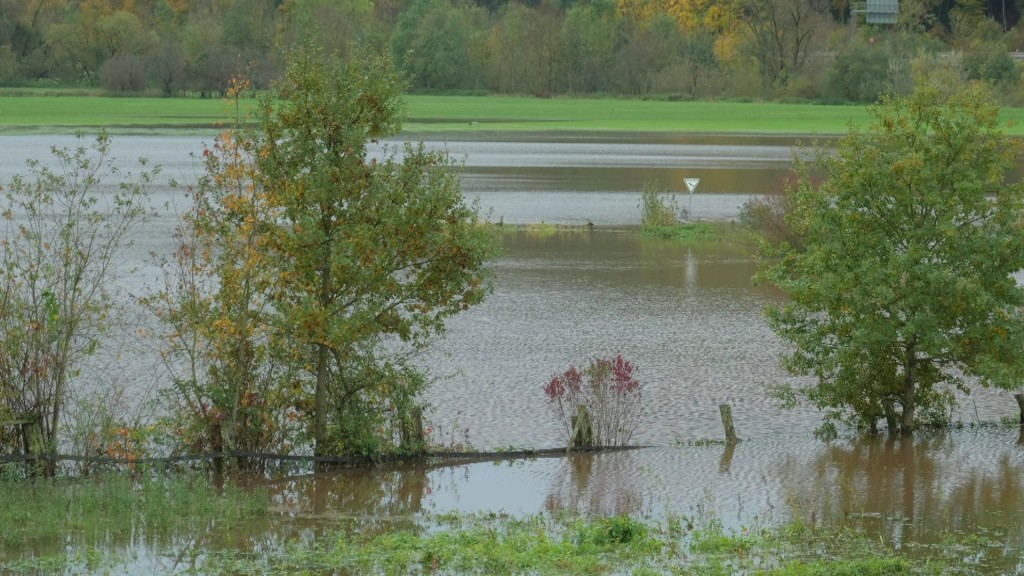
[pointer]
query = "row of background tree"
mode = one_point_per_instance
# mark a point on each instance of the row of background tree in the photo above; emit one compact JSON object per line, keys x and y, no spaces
{"x":780,"y":49}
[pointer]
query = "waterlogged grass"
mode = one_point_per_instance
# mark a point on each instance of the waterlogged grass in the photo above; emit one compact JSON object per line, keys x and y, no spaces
{"x":540,"y":545}
{"x":543,"y":544}
{"x":26,"y":111}
{"x":703,"y":232}
{"x":694,"y":233}
{"x":41,"y":512}
{"x":482,"y":544}
{"x":541,"y":229}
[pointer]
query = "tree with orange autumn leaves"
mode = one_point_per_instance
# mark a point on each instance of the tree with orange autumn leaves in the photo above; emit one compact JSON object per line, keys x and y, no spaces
{"x":309,"y":264}
{"x":226,"y":381}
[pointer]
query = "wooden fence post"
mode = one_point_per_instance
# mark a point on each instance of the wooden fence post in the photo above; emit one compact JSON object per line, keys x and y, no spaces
{"x":730,"y":431}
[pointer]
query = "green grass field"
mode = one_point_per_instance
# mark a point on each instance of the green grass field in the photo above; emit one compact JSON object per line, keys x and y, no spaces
{"x":502,"y":114}
{"x":483,"y":114}
{"x":57,"y":114}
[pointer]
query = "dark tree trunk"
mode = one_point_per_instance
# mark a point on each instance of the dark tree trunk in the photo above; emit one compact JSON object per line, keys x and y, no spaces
{"x":909,"y":399}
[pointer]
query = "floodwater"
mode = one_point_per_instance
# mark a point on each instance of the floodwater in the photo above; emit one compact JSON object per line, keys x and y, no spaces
{"x":689,"y":317}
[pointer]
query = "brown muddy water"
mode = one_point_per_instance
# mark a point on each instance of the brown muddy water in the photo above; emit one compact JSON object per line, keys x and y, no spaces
{"x":689,"y":317}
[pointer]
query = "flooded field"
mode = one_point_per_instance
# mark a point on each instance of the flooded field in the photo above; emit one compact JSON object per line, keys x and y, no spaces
{"x":689,"y":317}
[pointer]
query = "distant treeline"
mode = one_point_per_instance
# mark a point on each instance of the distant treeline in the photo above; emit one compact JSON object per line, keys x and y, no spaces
{"x":812,"y":50}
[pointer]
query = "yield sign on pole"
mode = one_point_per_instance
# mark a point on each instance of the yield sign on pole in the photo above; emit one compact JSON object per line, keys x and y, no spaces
{"x":691,"y":183}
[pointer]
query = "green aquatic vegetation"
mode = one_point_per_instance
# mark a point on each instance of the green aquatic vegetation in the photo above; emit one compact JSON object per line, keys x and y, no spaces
{"x":702,"y":232}
{"x":510,"y":546}
{"x":658,"y":207}
{"x":39,"y":512}
{"x":557,"y":544}
{"x":535,"y":230}
{"x":477,"y":544}
{"x":542,"y":545}
{"x":716,"y":541}
{"x":866,"y":567}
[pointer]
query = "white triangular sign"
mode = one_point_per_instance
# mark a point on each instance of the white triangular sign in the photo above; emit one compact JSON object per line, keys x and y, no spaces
{"x":691,"y":183}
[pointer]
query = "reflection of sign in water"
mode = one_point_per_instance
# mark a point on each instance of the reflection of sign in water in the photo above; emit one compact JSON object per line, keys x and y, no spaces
{"x":691,"y":269}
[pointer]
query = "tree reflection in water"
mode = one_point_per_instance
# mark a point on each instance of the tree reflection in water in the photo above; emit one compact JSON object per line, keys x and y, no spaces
{"x":917,"y":490}
{"x":597,"y":484}
{"x":365,"y":494}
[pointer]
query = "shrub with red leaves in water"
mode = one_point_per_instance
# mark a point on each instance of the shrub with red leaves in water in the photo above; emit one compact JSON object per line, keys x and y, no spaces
{"x":608,"y":390}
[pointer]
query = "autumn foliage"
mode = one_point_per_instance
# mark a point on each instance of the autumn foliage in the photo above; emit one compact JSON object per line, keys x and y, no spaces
{"x":308,"y":271}
{"x":607,"y":388}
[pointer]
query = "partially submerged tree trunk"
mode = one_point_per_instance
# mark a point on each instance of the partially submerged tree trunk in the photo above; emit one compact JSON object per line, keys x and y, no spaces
{"x":412,"y":432}
{"x":891,"y":422}
{"x":909,"y":398}
{"x":323,"y":357}
{"x":582,"y":430}
{"x":320,"y":401}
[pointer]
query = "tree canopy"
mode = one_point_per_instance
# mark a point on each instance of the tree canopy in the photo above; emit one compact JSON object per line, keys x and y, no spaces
{"x":903,"y":288}
{"x":328,"y":259}
{"x":790,"y":49}
{"x":368,"y":248}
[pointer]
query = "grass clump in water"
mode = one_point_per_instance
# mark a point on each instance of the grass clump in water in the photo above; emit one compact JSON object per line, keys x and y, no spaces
{"x":855,"y":567}
{"x":504,"y":545}
{"x":658,"y":208}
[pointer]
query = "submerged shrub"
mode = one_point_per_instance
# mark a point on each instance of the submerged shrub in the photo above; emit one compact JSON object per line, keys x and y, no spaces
{"x":769,"y":216}
{"x":599,"y":405}
{"x":657,"y":207}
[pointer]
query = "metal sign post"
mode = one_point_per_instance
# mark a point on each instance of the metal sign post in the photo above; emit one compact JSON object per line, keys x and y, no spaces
{"x":691,"y":185}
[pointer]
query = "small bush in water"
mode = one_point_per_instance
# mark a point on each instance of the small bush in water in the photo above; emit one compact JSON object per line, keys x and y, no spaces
{"x":606,"y":393}
{"x":657,"y":207}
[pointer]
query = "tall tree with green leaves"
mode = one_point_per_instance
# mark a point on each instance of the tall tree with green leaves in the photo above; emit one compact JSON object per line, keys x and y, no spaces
{"x":365,"y":248}
{"x":433,"y":43}
{"x":904,"y":289}
{"x":332,"y":25}
{"x":589,"y":38}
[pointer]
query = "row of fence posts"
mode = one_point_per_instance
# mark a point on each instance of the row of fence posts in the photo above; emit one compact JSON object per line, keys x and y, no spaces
{"x":412,"y":431}
{"x":583,"y":433}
